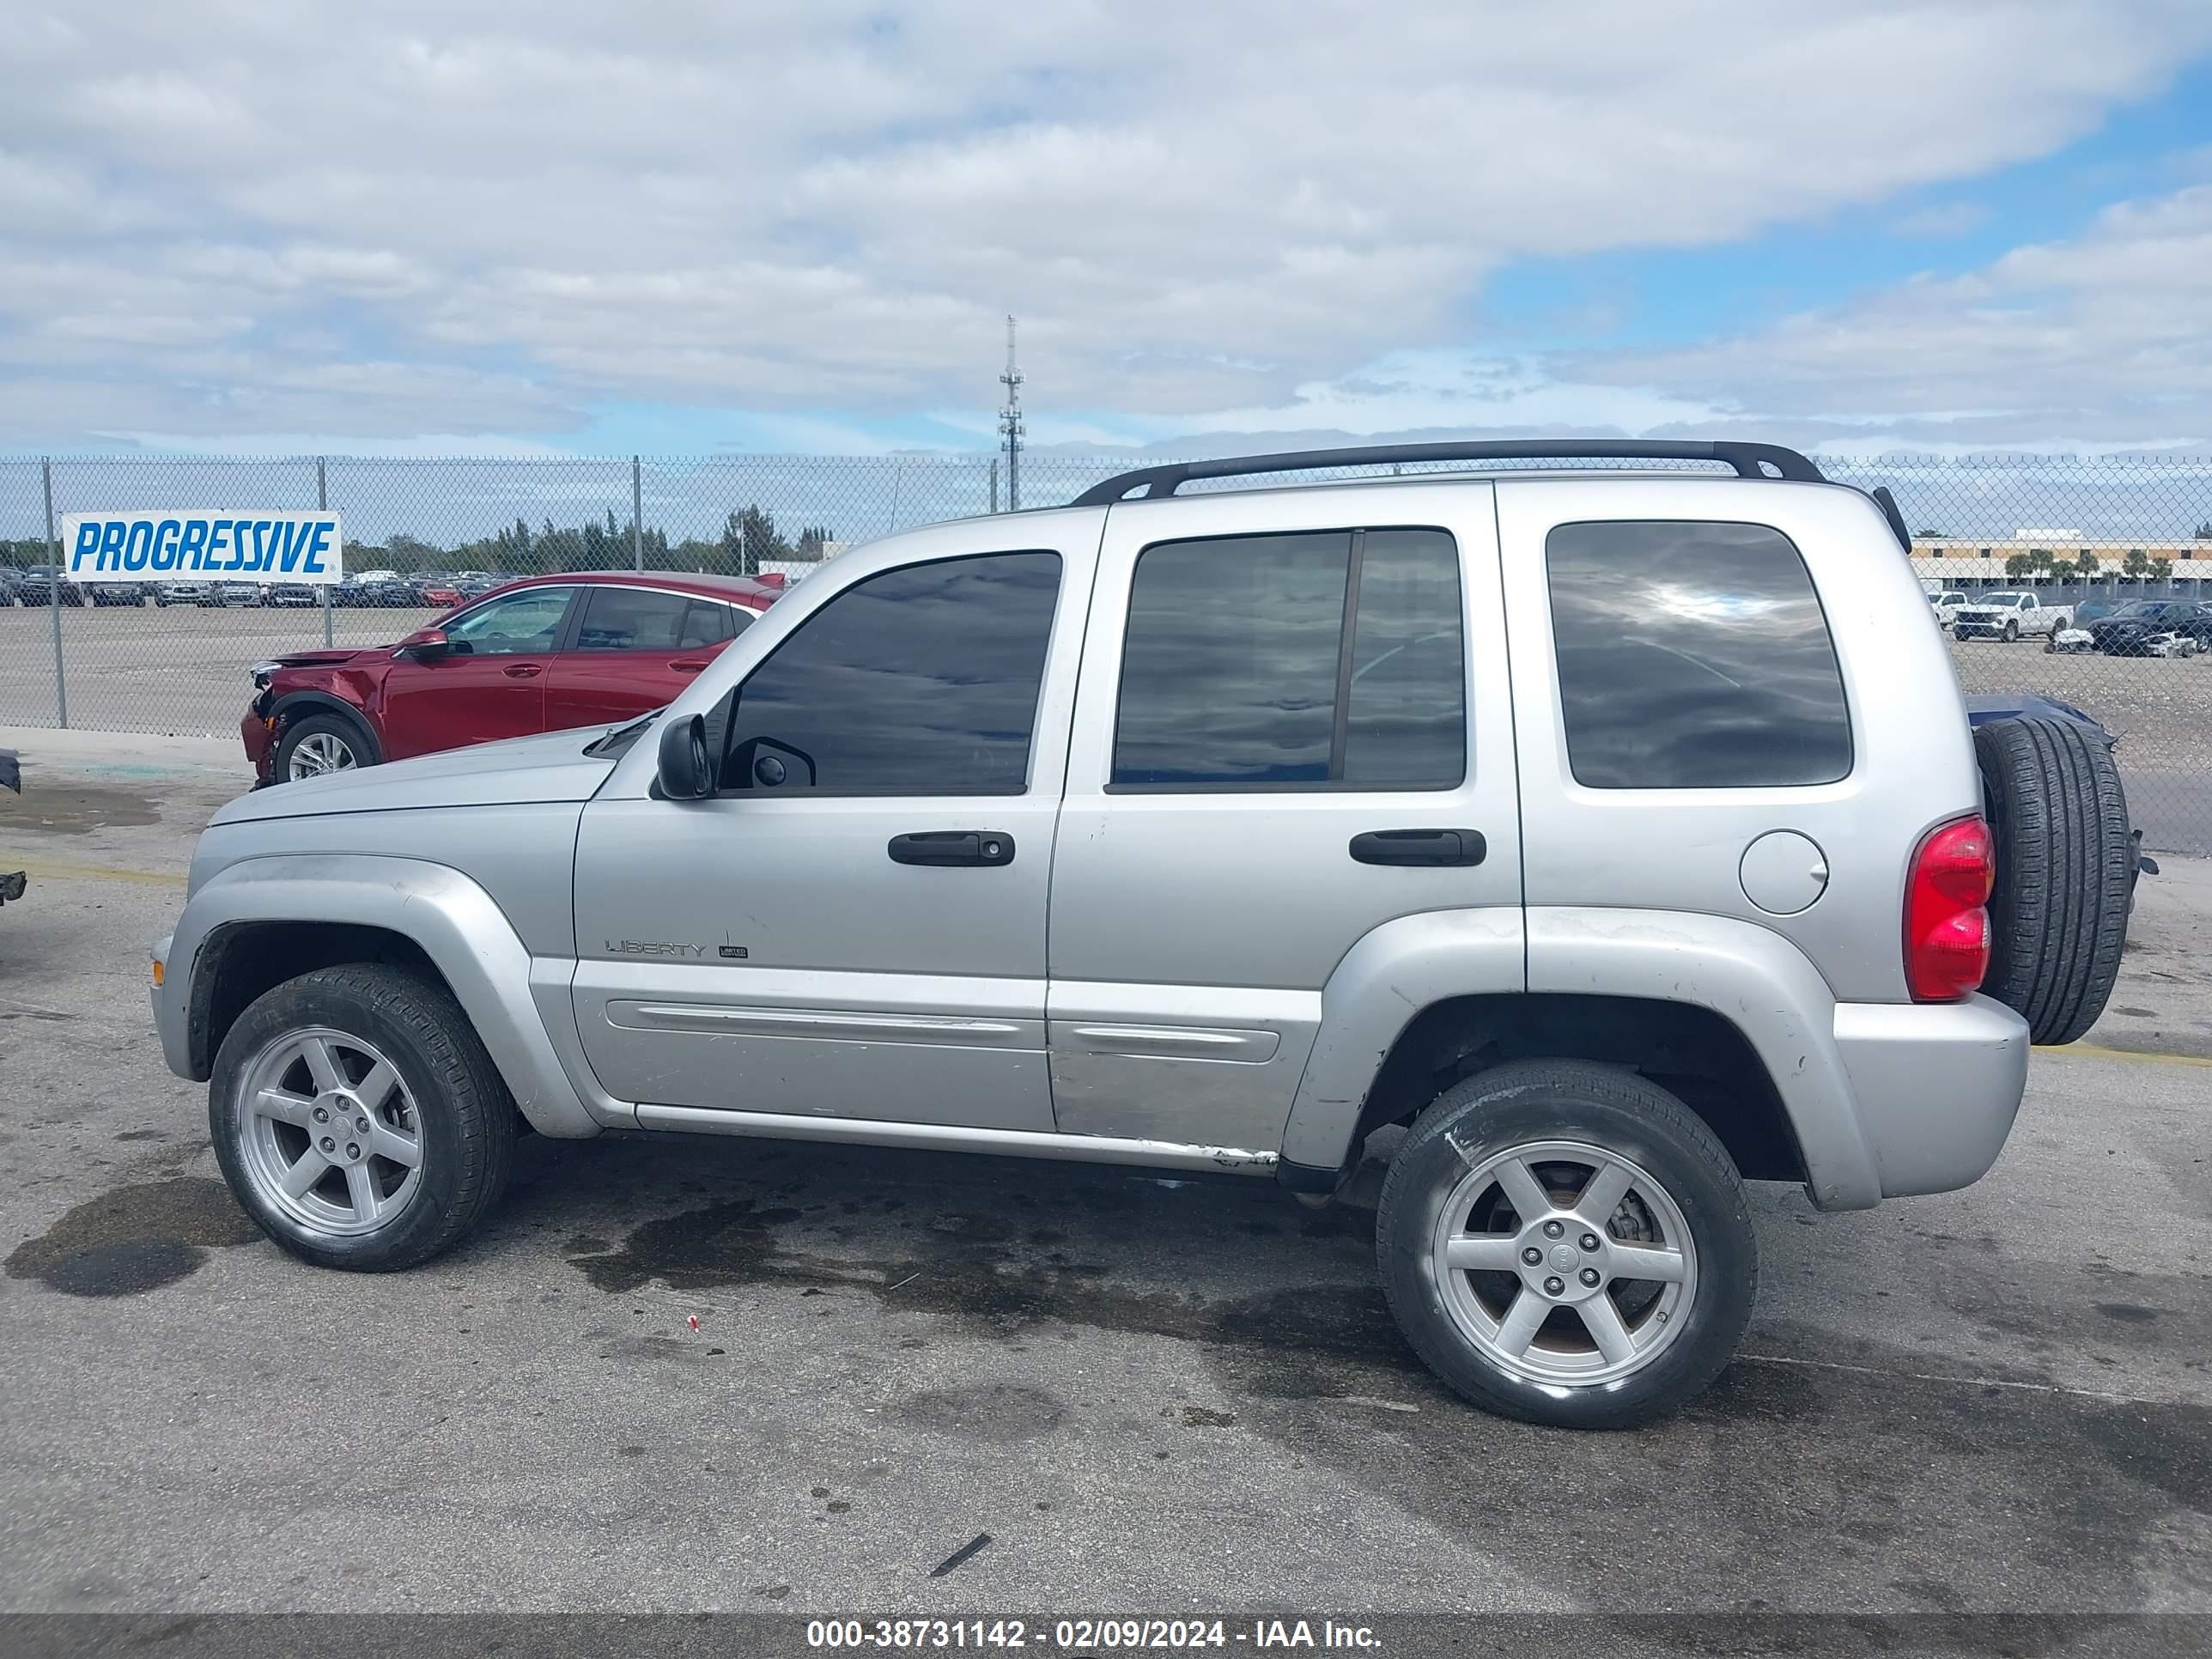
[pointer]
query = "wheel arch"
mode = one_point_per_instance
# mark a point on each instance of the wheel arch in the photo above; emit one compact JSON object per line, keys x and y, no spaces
{"x":1739,"y":1008}
{"x":297,"y":705}
{"x":1693,"y":1052}
{"x":261,"y":921}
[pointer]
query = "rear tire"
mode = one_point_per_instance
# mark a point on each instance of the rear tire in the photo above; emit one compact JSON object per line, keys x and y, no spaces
{"x":1540,"y":1341}
{"x":316,"y":1044}
{"x":2058,"y":917}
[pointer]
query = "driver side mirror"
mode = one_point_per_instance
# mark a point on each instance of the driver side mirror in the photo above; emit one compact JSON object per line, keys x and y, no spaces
{"x":425,"y":645}
{"x":686,"y":772}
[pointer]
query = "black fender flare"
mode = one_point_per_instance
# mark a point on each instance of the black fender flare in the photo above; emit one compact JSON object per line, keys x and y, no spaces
{"x":292,"y":705}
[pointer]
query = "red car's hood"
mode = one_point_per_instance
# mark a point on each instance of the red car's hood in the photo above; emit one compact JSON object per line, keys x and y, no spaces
{"x":328,"y":658}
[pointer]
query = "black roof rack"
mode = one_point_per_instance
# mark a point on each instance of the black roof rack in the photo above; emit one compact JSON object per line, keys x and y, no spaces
{"x":1749,"y":461}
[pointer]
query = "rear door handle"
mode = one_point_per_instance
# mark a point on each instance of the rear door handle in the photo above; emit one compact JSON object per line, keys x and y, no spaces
{"x":953,"y":847}
{"x":1420,"y":846}
{"x":524,"y":670}
{"x":689,"y":665}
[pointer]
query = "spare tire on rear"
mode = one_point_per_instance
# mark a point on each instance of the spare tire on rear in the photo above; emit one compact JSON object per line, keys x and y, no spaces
{"x":2058,"y":917}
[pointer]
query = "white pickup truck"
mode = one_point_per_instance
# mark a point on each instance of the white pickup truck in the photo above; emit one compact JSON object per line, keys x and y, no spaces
{"x":1946,"y":604}
{"x":2007,"y":616}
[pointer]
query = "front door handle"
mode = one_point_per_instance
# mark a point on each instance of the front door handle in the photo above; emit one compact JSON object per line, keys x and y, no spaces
{"x":523,"y":670}
{"x":1420,"y":846}
{"x":953,"y":847}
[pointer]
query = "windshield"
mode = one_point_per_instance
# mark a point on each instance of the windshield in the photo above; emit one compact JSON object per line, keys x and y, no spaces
{"x":2138,"y":608}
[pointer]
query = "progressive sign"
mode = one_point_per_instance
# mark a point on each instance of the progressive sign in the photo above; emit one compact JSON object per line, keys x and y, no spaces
{"x":220,"y":545}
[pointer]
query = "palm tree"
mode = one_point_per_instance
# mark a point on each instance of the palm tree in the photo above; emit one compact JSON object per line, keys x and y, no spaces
{"x":2161,"y":570}
{"x":2136,"y":567}
{"x":2017,"y":567}
{"x":2085,"y":566}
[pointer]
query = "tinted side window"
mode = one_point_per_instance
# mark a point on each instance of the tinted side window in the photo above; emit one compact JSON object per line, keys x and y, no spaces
{"x":631,"y":619}
{"x":1405,"y":726}
{"x":709,"y":622}
{"x":1238,"y":670}
{"x":1693,"y":656}
{"x":921,"y":681}
{"x":521,"y":623}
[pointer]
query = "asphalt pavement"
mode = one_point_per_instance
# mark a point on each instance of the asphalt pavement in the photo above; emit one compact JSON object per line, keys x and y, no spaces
{"x":1146,"y":1395}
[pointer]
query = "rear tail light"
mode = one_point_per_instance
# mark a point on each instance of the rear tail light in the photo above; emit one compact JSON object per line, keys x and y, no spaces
{"x":1947,"y":918}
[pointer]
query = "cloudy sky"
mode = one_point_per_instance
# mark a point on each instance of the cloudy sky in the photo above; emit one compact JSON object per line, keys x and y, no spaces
{"x":403,"y":226}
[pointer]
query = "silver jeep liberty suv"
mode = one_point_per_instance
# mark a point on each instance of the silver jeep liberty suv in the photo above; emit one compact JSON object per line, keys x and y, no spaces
{"x":1620,"y":832}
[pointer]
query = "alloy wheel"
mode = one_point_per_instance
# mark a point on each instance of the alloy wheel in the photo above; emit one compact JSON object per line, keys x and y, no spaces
{"x":321,"y":753}
{"x":331,"y":1133}
{"x":1564,"y":1263}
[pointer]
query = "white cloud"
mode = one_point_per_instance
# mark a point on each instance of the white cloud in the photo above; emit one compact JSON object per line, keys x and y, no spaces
{"x":2104,"y":338}
{"x":516,"y":215}
{"x":426,"y":446}
{"x":1435,"y":390}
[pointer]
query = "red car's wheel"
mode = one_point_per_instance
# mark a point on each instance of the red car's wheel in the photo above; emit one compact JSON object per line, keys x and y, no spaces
{"x":319,"y":745}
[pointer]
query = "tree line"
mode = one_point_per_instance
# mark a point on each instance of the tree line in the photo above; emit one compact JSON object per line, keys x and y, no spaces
{"x":749,"y":538}
{"x":2039,"y":564}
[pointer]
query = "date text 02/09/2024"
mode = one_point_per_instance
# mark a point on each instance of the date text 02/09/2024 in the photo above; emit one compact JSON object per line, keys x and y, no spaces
{"x":1090,"y":1635}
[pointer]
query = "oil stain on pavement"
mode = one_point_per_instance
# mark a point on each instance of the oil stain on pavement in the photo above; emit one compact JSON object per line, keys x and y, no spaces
{"x":975,"y":1271}
{"x":1840,"y":1442}
{"x":133,"y":1239}
{"x":78,"y":809}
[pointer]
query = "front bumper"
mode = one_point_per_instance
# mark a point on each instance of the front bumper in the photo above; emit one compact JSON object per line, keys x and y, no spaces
{"x":168,"y":1022}
{"x":257,"y":731}
{"x":1937,"y":1085}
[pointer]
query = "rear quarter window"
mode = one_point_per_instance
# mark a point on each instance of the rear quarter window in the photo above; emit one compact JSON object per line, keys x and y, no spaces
{"x":1694,"y":655}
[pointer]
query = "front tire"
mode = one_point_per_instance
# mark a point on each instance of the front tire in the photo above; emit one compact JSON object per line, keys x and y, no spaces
{"x":1559,"y":1159}
{"x":2012,"y":633}
{"x":358,"y":1119}
{"x":318,"y":745}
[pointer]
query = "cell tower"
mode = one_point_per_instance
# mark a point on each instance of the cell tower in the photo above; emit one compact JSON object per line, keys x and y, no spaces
{"x":1010,"y":423}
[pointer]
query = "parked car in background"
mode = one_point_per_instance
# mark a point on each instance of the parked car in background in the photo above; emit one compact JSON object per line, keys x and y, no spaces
{"x":11,"y":584}
{"x":1947,"y":604}
{"x":114,"y":593}
{"x":2007,"y":616}
{"x":294,"y":593}
{"x":474,"y":584}
{"x":537,"y":655}
{"x":443,"y":591}
{"x":377,"y":590}
{"x":39,"y":581}
{"x":228,"y":594}
{"x":181,"y":592}
{"x":2154,"y":628}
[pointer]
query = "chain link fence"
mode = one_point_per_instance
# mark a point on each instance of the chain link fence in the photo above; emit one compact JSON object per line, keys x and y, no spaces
{"x":2115,"y":539}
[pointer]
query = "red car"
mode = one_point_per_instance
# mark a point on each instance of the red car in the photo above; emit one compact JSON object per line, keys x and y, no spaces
{"x":536,"y":655}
